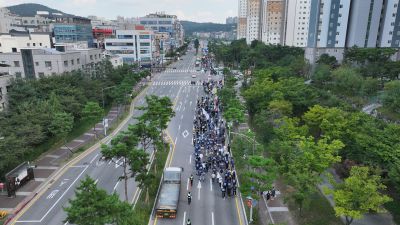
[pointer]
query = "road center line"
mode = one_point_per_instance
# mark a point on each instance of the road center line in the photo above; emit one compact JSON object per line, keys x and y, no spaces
{"x":212,"y":218}
{"x":190,"y":159}
{"x":211,"y":184}
{"x":187,"y":185}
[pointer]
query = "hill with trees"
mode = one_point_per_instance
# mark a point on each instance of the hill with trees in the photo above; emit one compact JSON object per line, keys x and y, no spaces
{"x":30,"y":9}
{"x":191,"y":27}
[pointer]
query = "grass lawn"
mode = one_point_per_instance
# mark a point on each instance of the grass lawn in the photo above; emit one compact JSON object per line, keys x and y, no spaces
{"x":319,"y":212}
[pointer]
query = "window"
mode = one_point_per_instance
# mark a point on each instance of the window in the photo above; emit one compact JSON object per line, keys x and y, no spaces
{"x":65,"y":63}
{"x":28,"y":44}
{"x":144,"y":36}
{"x":144,"y":44}
{"x":41,"y":75}
{"x":91,"y":57}
{"x":72,"y":62}
{"x":37,"y":63}
{"x":16,"y":64}
{"x":40,"y":44}
{"x":95,"y":56}
{"x":78,"y":61}
{"x":34,"y":44}
{"x":47,"y":64}
{"x":18,"y":74}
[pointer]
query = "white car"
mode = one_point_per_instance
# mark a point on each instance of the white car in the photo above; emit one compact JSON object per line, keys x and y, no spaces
{"x":193,"y":75}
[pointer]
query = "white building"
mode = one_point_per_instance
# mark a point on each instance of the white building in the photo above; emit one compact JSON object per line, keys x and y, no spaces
{"x":134,"y":46}
{"x":36,"y":63}
{"x":254,"y":20}
{"x":6,"y":20}
{"x":242,"y":20}
{"x":14,"y":41}
{"x":5,"y":80}
{"x":297,"y":22}
{"x":390,"y":26}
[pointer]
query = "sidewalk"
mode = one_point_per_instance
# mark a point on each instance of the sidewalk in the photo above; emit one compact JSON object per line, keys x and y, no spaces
{"x":52,"y":160}
{"x":368,"y":219}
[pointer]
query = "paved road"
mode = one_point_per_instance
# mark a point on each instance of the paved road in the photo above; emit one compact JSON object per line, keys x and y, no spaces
{"x":46,"y":208}
{"x":207,"y":207}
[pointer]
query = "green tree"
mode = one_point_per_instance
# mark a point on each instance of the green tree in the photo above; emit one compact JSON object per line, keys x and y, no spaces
{"x":391,"y":96}
{"x":61,"y":125}
{"x":145,"y":180}
{"x":328,"y":60}
{"x":322,"y":74}
{"x":123,"y":152}
{"x":93,"y":113}
{"x":92,"y":206}
{"x":347,"y":81}
{"x":358,"y":194}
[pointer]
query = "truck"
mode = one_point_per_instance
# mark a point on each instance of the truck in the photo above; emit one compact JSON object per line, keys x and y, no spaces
{"x":168,"y":199}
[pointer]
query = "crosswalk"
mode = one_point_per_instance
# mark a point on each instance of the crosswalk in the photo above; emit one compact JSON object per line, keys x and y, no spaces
{"x":180,"y":71}
{"x":176,"y":83}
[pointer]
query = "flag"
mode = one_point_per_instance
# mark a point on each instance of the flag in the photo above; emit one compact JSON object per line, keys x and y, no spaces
{"x":206,"y":114}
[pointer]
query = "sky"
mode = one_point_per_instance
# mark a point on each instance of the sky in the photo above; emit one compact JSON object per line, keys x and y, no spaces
{"x":194,"y":10}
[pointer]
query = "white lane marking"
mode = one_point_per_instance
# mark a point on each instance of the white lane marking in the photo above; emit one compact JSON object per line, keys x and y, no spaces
{"x":187,"y":185}
{"x":211,"y":184}
{"x":65,"y":192}
{"x":116,"y":185}
{"x":190,"y":159}
{"x":185,"y":134}
{"x":182,"y":116}
{"x":184,"y":218}
{"x":66,"y":223}
{"x":190,"y":103}
{"x":117,"y":163}
{"x":52,"y":194}
{"x":199,"y":187}
{"x":176,"y":139}
{"x":184,"y":109}
{"x":96,"y":181}
{"x":91,"y":161}
{"x":212,"y":218}
{"x":179,"y":127}
{"x":78,"y":166}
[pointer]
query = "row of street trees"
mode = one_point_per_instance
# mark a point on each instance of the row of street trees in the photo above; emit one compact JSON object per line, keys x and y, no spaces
{"x":46,"y":111}
{"x":308,"y":129}
{"x":130,"y":151}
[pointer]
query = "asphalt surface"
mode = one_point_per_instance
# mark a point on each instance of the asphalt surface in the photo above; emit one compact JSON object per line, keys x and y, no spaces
{"x":207,"y":206}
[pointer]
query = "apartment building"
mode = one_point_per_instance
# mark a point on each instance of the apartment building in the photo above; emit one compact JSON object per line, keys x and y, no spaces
{"x":297,"y":22}
{"x":242,"y":20}
{"x":14,"y":41}
{"x":254,"y":20}
{"x":273,"y":22}
{"x":134,"y":46}
{"x":390,"y":27}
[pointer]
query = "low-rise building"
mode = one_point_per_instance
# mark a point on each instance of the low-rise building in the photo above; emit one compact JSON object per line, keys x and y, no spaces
{"x":134,"y":46}
{"x":37,"y":63}
{"x":14,"y":41}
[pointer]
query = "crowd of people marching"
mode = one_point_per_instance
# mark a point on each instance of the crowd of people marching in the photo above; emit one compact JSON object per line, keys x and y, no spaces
{"x":211,"y":155}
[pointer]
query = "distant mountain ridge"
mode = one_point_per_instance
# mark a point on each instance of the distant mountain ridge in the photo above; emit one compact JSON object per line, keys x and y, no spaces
{"x":191,"y":27}
{"x":30,"y":9}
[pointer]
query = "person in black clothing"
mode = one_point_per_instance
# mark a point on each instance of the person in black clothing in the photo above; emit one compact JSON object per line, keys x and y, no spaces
{"x":191,"y":180}
{"x":189,"y":196}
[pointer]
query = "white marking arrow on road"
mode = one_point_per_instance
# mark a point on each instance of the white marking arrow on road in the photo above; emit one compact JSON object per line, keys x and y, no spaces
{"x":199,"y":187}
{"x":52,"y":194}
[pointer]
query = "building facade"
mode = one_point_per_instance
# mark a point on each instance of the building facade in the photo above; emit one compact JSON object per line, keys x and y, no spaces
{"x":254,"y":20}
{"x":134,"y":46}
{"x":297,"y":22}
{"x":390,"y":27}
{"x":14,"y":41}
{"x":242,"y":20}
{"x":164,"y":23}
{"x":273,"y":22}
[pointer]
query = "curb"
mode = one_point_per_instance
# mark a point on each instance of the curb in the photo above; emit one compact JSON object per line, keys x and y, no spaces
{"x":57,"y":174}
